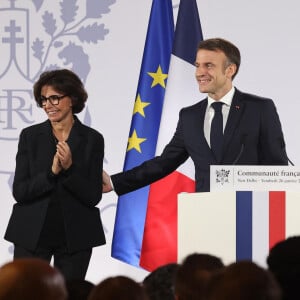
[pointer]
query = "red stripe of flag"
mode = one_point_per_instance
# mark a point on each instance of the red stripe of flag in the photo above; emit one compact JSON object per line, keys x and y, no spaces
{"x":276,"y":217}
{"x":160,"y":235}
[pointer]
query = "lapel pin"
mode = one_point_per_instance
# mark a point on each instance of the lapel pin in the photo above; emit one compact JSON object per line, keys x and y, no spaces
{"x":237,"y":107}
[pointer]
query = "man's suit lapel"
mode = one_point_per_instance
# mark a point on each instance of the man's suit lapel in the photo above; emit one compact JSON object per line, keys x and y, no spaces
{"x":235,"y":113}
{"x":201,"y":115}
{"x":197,"y":131}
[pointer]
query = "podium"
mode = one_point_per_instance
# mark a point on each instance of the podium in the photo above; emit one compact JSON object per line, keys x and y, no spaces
{"x":249,"y":209}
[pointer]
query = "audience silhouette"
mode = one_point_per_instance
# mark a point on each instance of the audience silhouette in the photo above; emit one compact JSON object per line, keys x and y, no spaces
{"x":284,"y":262}
{"x":30,"y":279}
{"x":243,"y":280}
{"x":159,"y":284}
{"x":193,"y":275}
{"x":116,"y":288}
{"x":199,"y":276}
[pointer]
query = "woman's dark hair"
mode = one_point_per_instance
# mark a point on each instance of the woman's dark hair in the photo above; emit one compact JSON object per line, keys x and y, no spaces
{"x":63,"y":81}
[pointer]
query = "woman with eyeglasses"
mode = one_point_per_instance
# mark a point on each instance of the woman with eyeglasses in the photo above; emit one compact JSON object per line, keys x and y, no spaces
{"x":57,"y":180}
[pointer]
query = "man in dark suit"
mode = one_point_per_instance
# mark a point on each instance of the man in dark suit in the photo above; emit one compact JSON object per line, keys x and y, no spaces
{"x":251,"y":132}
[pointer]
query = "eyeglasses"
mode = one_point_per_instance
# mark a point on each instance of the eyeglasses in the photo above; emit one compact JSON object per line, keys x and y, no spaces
{"x":53,"y":99}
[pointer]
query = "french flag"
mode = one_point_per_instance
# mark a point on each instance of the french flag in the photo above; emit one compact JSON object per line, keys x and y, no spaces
{"x":159,"y":245}
{"x":241,"y":225}
{"x":145,"y":231}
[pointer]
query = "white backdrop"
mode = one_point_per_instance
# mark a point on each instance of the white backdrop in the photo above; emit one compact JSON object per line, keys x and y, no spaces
{"x":266,"y":32}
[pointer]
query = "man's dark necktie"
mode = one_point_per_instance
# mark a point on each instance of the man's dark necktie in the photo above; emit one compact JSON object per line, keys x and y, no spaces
{"x":216,"y":131}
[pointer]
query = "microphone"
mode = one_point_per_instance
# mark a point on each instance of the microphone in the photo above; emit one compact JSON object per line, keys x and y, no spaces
{"x":243,"y":140}
{"x":282,"y":143}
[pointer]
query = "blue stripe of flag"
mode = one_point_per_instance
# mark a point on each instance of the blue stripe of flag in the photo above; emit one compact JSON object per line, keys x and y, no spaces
{"x":243,"y":225}
{"x":189,"y":34}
